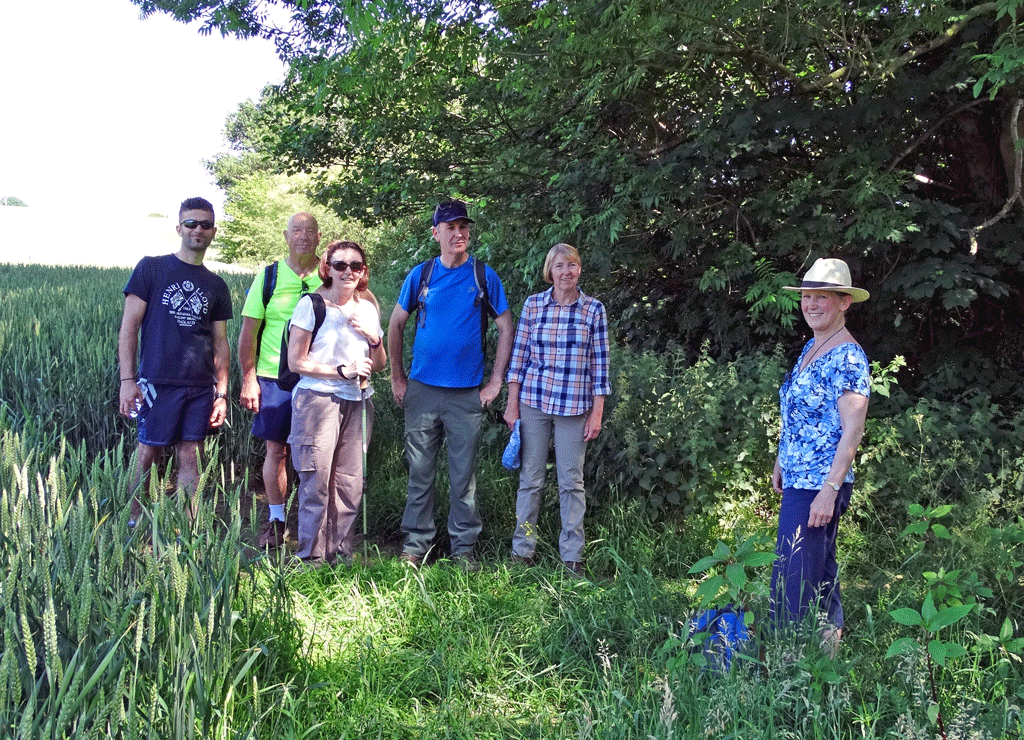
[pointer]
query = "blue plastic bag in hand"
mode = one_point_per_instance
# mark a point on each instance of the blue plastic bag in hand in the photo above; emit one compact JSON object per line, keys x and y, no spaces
{"x":511,"y":458}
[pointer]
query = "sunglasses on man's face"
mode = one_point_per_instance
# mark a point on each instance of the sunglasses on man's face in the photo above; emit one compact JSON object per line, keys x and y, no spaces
{"x":191,"y":223}
{"x":354,"y":266}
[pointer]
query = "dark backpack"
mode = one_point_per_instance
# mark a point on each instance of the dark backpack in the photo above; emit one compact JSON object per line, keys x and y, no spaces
{"x":482,"y":299}
{"x":287,"y":379}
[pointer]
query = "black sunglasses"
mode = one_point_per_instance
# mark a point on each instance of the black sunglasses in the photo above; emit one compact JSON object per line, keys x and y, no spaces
{"x":354,"y":266}
{"x":191,"y":223}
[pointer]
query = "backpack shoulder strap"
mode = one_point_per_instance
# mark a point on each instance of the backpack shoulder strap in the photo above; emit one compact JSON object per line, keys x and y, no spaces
{"x":483,"y":301}
{"x":426,"y":273}
{"x":269,"y":282}
{"x":319,"y":312}
{"x":269,"y":285}
{"x":482,"y":297}
{"x":419,"y":299}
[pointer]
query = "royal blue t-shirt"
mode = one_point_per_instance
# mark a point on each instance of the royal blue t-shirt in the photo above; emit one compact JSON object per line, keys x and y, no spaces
{"x":447,"y":351}
{"x":182,"y":302}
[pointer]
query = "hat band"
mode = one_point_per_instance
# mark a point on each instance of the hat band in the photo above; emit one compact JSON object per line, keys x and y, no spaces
{"x":814,"y":284}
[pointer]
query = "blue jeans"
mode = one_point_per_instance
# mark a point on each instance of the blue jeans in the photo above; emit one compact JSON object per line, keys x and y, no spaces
{"x":433,"y":414}
{"x":805,"y":575}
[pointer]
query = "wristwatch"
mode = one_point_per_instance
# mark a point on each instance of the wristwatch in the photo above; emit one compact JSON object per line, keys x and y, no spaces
{"x":218,"y":394}
{"x":835,"y":486}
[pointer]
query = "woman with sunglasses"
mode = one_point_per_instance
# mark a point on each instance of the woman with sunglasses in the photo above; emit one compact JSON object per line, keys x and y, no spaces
{"x":330,"y":403}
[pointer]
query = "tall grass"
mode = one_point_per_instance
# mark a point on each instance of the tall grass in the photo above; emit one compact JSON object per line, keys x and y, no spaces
{"x":179,"y":630}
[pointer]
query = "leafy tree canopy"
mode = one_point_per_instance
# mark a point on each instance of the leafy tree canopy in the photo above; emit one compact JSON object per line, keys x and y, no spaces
{"x":12,"y":200}
{"x":701,"y":154}
{"x":261,"y":199}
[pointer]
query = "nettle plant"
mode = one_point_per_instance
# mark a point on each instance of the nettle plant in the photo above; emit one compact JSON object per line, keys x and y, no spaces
{"x":735,"y":581}
{"x":950,"y":596}
{"x":689,"y":437}
{"x":735,"y":575}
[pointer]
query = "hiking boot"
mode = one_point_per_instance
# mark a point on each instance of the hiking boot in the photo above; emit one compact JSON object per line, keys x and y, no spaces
{"x":272,"y":534}
{"x":413,"y":561}
{"x":295,"y":564}
{"x":467,"y":561}
{"x":575,"y":568}
{"x":526,"y":561}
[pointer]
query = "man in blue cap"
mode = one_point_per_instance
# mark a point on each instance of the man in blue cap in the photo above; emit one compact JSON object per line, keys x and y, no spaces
{"x":444,"y":396}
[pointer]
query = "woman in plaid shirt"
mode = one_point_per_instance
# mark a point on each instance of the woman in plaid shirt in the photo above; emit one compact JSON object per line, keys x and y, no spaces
{"x":557,"y":381}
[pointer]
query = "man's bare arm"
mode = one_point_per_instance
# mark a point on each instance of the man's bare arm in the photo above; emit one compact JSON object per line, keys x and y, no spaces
{"x":501,"y":356}
{"x":396,"y":340}
{"x":221,"y":368}
{"x":250,"y":393}
{"x":129,"y":395}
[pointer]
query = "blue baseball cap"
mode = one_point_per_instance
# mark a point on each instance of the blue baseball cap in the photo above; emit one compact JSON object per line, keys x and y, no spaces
{"x":451,"y":210}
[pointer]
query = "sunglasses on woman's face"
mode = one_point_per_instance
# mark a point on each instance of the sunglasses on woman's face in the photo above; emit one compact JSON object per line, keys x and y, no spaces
{"x":354,"y":266}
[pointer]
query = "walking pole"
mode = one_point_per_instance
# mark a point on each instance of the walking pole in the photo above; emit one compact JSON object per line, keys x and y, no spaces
{"x":362,"y":400}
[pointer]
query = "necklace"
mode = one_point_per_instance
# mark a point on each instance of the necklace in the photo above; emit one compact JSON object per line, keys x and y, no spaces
{"x":818,"y":348}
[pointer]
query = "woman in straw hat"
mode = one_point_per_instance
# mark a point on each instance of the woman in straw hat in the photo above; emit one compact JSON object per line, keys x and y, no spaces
{"x":823,"y":403}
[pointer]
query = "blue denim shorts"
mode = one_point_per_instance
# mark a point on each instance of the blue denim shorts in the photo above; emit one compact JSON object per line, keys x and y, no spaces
{"x":273,"y":422}
{"x":174,"y":413}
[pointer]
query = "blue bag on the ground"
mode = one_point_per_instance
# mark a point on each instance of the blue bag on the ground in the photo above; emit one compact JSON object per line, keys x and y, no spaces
{"x":726,"y":634}
{"x":511,"y":458}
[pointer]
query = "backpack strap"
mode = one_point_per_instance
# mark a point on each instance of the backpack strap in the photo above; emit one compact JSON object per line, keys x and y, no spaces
{"x":269,"y":283}
{"x":287,"y":378}
{"x":319,"y":313}
{"x":269,"y":286}
{"x":482,"y":300}
{"x":419,"y":300}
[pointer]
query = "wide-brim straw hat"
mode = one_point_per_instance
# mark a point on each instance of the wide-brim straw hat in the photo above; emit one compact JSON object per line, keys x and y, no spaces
{"x":830,"y":274}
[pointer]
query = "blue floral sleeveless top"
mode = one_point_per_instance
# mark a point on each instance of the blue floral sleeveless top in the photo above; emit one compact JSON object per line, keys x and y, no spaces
{"x":809,"y":402}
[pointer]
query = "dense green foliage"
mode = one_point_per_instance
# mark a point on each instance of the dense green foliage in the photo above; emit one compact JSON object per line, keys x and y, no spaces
{"x":701,"y":154}
{"x":180,"y":631}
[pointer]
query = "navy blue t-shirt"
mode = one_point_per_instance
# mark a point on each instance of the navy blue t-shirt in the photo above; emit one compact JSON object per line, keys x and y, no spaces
{"x":182,"y":302}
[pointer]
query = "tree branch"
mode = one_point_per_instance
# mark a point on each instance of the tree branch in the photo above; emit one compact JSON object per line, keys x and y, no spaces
{"x":928,"y":134}
{"x":1018,"y":157}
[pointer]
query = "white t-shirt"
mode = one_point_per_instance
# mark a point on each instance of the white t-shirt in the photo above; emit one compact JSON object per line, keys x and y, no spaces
{"x":336,"y":343}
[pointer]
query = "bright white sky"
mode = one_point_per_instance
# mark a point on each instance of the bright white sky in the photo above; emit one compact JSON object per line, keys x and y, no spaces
{"x":98,"y":104}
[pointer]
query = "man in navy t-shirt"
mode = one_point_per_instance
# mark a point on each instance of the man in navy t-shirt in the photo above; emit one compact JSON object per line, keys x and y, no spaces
{"x":179,"y":389}
{"x":443,"y":397}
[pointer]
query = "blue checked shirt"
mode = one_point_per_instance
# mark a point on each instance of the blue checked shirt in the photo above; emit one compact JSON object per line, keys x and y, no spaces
{"x":560,"y":355}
